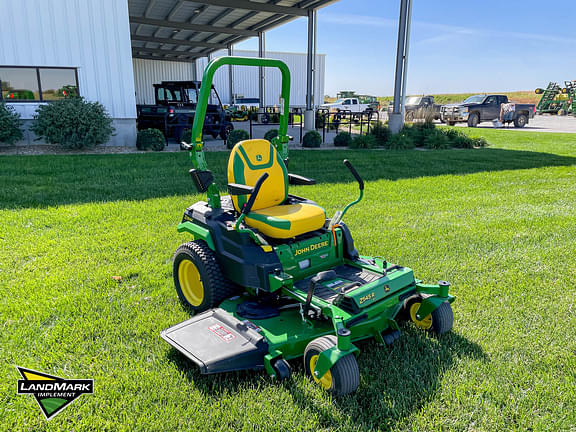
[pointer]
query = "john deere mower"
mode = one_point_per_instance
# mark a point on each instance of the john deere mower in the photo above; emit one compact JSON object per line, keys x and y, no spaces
{"x":271,"y":278}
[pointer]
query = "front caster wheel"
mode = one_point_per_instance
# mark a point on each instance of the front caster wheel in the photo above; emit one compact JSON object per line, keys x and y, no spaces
{"x":343,"y":378}
{"x":439,"y":321}
{"x":282,"y":369}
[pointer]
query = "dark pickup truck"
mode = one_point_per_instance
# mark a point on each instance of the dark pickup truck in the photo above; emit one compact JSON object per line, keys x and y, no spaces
{"x":479,"y":108}
{"x":175,"y":107}
{"x":417,"y":106}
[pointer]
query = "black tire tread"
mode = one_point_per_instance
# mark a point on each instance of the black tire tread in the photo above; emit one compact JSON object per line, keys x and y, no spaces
{"x":470,"y":123}
{"x":442,"y":319}
{"x":345,"y":373}
{"x":517,"y":123}
{"x":216,"y":287}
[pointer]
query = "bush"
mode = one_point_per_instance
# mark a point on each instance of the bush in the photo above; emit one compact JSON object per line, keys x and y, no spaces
{"x":480,"y":142}
{"x":236,"y":136}
{"x":73,"y":123}
{"x":343,"y":139}
{"x":458,"y":139}
{"x":363,"y":142}
{"x":10,"y":124}
{"x":400,"y":141}
{"x":271,"y":134}
{"x":312,"y":139}
{"x":418,"y":132}
{"x":380,"y":132}
{"x":150,"y":139}
{"x":437,"y":140}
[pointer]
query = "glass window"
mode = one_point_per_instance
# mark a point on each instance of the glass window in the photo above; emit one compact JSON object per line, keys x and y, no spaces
{"x":354,"y":102}
{"x":58,"y":83}
{"x":19,"y":84}
{"x":23,"y":84}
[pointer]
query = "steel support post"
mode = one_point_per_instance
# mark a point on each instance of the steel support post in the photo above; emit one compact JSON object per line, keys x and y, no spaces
{"x":396,"y":121}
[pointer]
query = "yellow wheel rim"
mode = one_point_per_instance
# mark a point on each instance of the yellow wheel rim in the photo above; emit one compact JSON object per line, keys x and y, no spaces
{"x":190,"y":282}
{"x":326,"y":380}
{"x":425,"y":323}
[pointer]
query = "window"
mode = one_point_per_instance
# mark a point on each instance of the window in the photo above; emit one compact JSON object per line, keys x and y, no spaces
{"x":354,"y":102}
{"x":37,"y":84}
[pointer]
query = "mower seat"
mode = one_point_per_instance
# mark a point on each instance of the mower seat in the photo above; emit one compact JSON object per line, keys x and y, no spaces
{"x":250,"y":159}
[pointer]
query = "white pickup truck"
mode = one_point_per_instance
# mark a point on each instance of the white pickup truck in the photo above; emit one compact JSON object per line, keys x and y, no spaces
{"x":347,"y":104}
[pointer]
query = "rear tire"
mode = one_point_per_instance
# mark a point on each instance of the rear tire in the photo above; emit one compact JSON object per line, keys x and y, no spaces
{"x":198,"y":278}
{"x":342,"y":378}
{"x":520,"y":121}
{"x":473,"y":120}
{"x":451,"y":123}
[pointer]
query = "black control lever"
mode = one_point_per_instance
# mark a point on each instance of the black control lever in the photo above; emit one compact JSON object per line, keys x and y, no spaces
{"x":248,"y":206}
{"x":354,"y":173}
{"x":320,"y":277}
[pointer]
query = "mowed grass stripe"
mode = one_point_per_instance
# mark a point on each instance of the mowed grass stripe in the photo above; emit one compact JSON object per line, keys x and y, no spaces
{"x":502,"y":231}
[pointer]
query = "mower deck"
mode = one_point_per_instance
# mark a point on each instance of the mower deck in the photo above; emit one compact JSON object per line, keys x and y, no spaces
{"x":233,"y":337}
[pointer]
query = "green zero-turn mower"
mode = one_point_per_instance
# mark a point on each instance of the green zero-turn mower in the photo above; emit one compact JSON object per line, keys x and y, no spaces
{"x":271,"y":278}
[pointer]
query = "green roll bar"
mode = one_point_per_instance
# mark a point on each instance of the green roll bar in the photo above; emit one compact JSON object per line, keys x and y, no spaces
{"x":280,"y":142}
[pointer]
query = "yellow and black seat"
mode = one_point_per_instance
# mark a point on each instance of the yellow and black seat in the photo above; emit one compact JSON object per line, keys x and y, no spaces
{"x":270,"y":214}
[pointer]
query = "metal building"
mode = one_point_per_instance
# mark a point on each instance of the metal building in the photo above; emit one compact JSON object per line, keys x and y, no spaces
{"x":113,"y":50}
{"x":245,"y":80}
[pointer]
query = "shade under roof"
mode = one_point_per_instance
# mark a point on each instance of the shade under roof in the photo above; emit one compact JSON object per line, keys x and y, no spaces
{"x":184,"y":30}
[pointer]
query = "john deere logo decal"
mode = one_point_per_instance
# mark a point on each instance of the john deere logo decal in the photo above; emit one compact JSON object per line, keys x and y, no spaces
{"x":259,"y":158}
{"x":52,"y":393}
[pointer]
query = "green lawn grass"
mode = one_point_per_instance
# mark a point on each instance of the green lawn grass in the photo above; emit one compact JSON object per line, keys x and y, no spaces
{"x":499,"y":223}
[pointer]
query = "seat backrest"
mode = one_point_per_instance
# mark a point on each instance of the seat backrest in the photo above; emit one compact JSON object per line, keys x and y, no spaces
{"x":250,"y":159}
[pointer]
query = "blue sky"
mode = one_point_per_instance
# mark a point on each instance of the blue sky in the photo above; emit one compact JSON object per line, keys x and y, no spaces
{"x":456,"y":46}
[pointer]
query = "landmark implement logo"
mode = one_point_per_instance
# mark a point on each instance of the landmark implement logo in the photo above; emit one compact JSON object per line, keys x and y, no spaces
{"x":52,"y":393}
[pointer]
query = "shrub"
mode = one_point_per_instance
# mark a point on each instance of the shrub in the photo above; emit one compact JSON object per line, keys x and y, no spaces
{"x":271,"y":134}
{"x":236,"y":136}
{"x":418,"y":132}
{"x":343,"y":139}
{"x":458,"y":139}
{"x":380,"y":132}
{"x":480,"y":142}
{"x":312,"y":139}
{"x":363,"y":142}
{"x":10,"y":124}
{"x":73,"y":123}
{"x":400,"y":141}
{"x":437,"y":140}
{"x":150,"y":139}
